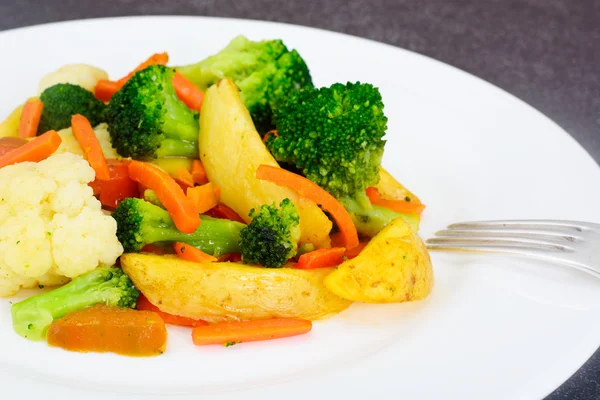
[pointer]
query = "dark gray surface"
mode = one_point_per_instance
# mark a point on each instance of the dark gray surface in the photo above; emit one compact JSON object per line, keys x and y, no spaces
{"x":546,"y":52}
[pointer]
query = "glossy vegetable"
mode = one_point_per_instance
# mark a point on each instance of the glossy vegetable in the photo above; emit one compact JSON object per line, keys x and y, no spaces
{"x":217,"y":292}
{"x":144,"y":304}
{"x":390,"y":188}
{"x":36,"y":150}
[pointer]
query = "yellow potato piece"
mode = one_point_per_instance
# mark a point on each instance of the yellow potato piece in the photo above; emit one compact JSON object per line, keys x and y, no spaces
{"x":218,"y":292}
{"x":390,"y":188}
{"x":231,"y":151}
{"x":393,"y":268}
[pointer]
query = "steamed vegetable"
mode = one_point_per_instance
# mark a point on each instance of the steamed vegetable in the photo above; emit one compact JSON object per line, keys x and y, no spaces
{"x":109,"y":286}
{"x":38,"y":149}
{"x":227,"y":291}
{"x":86,"y":76}
{"x":266,"y":73}
{"x":71,"y":145}
{"x":30,"y":118}
{"x":147,"y":120}
{"x":394,"y":267}
{"x":231,"y":151}
{"x":51,"y":226}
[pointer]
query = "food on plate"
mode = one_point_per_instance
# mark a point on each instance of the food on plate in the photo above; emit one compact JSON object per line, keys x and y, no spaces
{"x":230,"y":197}
{"x":52,"y":228}
{"x":394,"y":267}
{"x":105,"y":285}
{"x":231,"y":151}
{"x":229,"y":291}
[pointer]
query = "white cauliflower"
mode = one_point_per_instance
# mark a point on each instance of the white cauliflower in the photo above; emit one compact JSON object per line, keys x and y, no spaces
{"x":86,"y":76}
{"x":71,"y":145}
{"x":52,"y":228}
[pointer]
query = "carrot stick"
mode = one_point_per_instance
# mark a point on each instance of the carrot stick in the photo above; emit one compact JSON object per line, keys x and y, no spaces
{"x":223,"y":211}
{"x":314,"y":192}
{"x":198,"y":173}
{"x":190,"y":253}
{"x":30,"y":118}
{"x":399,"y":206}
{"x":154,"y":59}
{"x":104,"y":89}
{"x":204,"y":197}
{"x":144,"y":304}
{"x":355,"y":251}
{"x":227,"y":333}
{"x":184,"y":178}
{"x":38,"y":149}
{"x":188,"y":92}
{"x":110,"y":329}
{"x":84,"y":133}
{"x":321,"y":258}
{"x":170,"y":194}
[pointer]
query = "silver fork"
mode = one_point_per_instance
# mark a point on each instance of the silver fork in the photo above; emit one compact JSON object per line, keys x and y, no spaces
{"x":572,"y":243}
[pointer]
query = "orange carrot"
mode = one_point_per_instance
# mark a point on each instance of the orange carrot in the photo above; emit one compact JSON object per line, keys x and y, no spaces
{"x":38,"y":149}
{"x":198,"y":173}
{"x":30,"y":118}
{"x":190,"y":253}
{"x":158,"y":58}
{"x":84,"y":133}
{"x":170,"y":194}
{"x":271,"y":132}
{"x":187,"y":92}
{"x":314,"y":192}
{"x":144,"y":304}
{"x":321,"y":258}
{"x":204,"y":197}
{"x":228,"y":333}
{"x":399,"y":206}
{"x":104,"y":89}
{"x":110,"y":329}
{"x":9,"y":143}
{"x":120,"y":186}
{"x":184,"y":178}
{"x":355,"y":251}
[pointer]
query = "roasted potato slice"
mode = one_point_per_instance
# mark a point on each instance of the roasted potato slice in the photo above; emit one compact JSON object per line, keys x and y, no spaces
{"x":218,"y":292}
{"x":394,"y":267}
{"x":390,"y":188}
{"x":231,"y":151}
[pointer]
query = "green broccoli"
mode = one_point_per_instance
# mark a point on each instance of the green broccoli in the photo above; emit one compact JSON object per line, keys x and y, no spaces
{"x":104,"y":285}
{"x":146,"y":119}
{"x":271,"y":238}
{"x":266,"y":73}
{"x":334,"y":137}
{"x":140,"y":223}
{"x":64,"y":100}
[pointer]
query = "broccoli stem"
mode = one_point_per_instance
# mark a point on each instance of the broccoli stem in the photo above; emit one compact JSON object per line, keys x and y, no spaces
{"x":177,"y":148}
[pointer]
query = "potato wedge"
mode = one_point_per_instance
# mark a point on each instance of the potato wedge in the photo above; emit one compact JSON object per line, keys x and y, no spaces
{"x":231,"y":151}
{"x":390,"y":188}
{"x":393,"y":268}
{"x":218,"y":292}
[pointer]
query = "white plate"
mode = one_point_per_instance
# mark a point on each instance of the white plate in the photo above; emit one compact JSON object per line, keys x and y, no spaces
{"x":493,"y":328}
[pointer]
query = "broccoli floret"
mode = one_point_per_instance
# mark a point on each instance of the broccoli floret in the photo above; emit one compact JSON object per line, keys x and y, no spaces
{"x":104,"y":285}
{"x":334,"y":137}
{"x":64,"y":100}
{"x":266,"y":73}
{"x":271,"y":238}
{"x":371,"y":219}
{"x":140,"y":223}
{"x":146,"y":118}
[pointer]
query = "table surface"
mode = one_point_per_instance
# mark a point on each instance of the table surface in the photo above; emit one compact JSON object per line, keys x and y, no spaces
{"x":542,"y":51}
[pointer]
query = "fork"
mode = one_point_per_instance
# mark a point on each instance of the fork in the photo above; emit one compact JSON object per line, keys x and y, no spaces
{"x":572,"y":243}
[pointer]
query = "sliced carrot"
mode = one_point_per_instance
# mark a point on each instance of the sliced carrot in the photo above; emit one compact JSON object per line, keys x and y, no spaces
{"x":170,"y":194}
{"x":355,"y":251}
{"x":154,"y":59}
{"x":9,"y":143}
{"x":84,"y":133}
{"x":204,"y":197}
{"x":38,"y":149}
{"x":30,"y":118}
{"x":188,"y":92}
{"x":271,"y":132}
{"x":105,"y":89}
{"x":227,"y":333}
{"x":119,"y":187}
{"x":144,"y":304}
{"x":190,"y":253}
{"x":198,"y":173}
{"x":184,"y":178}
{"x":314,"y":192}
{"x":223,"y":211}
{"x":399,"y":206}
{"x":321,"y":258}
{"x":110,"y":329}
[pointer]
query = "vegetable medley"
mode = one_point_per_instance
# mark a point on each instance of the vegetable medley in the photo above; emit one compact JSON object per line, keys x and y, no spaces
{"x":231,"y":196}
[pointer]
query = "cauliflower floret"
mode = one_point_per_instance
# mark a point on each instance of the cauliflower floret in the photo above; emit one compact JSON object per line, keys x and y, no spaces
{"x":86,"y":76}
{"x":71,"y":145}
{"x":51,"y":226}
